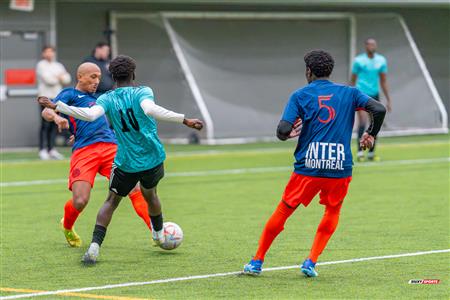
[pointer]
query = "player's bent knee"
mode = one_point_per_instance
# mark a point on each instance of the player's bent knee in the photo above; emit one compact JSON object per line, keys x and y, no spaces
{"x":80,"y":201}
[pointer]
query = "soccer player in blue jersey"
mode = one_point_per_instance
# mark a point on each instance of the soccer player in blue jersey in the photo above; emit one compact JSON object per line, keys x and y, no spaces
{"x":323,"y":158}
{"x":92,"y":153}
{"x":131,"y":111}
{"x":368,"y":74}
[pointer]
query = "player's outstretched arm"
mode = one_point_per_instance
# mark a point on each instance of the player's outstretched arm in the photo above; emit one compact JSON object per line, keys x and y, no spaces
{"x":160,"y":113}
{"x":89,"y":114}
{"x":377,"y":112}
{"x":51,"y":116}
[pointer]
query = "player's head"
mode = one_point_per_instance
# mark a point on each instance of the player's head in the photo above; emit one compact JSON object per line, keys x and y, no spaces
{"x":319,"y":64}
{"x":122,"y":69}
{"x":48,"y":53}
{"x":88,"y":77}
{"x":371,"y":45}
{"x":101,"y":51}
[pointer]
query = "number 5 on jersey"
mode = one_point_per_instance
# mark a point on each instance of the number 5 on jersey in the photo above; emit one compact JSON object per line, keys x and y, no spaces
{"x":331,"y":111}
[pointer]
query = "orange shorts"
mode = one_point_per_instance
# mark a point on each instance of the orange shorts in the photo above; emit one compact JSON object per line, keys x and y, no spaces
{"x":302,"y":189}
{"x":86,"y":162}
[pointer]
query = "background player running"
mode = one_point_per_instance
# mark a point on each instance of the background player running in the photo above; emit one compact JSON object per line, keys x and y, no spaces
{"x":93,"y":151}
{"x":132,"y":112}
{"x":368,"y":73}
{"x":323,"y":155}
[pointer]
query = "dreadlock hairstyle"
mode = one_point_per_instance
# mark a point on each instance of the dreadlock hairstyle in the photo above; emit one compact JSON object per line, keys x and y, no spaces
{"x":122,"y":68}
{"x":320,"y":63}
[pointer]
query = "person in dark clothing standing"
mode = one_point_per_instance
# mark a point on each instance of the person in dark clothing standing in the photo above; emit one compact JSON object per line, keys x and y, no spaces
{"x":100,"y":57}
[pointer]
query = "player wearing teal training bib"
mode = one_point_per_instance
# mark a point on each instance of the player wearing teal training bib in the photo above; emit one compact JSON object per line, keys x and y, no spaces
{"x":368,"y":70}
{"x":132,"y":112}
{"x":368,"y":74}
{"x":139,"y":146}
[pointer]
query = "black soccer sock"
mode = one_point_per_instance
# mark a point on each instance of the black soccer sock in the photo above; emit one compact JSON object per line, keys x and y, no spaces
{"x":157,"y":222}
{"x":360,"y":134}
{"x":99,"y":234}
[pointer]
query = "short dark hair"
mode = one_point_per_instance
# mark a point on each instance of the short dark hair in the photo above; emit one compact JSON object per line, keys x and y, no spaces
{"x":320,"y":62}
{"x":48,"y":47}
{"x":122,"y":68}
{"x":101,"y":44}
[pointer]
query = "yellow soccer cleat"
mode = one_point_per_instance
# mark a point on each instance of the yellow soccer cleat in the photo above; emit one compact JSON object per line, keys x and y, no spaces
{"x":73,"y":239}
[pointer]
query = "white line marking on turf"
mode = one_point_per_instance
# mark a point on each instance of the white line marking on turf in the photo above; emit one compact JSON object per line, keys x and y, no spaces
{"x":243,"y":171}
{"x":262,"y":150}
{"x":128,"y":284}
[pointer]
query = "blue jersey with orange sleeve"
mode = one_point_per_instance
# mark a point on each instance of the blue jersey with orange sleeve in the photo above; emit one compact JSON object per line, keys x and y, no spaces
{"x":86,"y":133}
{"x":327,"y":111}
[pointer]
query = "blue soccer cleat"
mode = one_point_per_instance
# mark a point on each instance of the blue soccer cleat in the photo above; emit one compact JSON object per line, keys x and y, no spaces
{"x":308,"y":269}
{"x":253,"y":267}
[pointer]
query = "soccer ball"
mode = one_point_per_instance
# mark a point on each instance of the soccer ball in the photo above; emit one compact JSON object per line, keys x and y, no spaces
{"x":173,"y":234}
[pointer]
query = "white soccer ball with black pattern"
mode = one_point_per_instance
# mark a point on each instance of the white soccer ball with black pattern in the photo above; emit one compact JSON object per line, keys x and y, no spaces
{"x":173,"y":235}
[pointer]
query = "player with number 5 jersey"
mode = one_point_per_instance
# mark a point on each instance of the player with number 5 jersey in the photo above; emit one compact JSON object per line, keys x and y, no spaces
{"x":321,"y":114}
{"x":132,"y":112}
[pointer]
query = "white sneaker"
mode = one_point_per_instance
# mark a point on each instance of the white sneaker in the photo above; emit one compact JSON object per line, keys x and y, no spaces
{"x":158,"y":237}
{"x":55,"y":154}
{"x":360,"y":156}
{"x":90,"y":257}
{"x":44,"y":155}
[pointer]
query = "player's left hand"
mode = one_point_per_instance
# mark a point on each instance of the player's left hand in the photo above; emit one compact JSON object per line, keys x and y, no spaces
{"x":45,"y":102}
{"x":388,"y":107}
{"x":71,"y":140}
{"x":367,"y":141}
{"x":193,"y":123}
{"x":296,"y":129}
{"x":62,"y":123}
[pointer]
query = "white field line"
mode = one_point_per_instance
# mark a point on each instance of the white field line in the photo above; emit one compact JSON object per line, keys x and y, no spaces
{"x":128,"y":284}
{"x":263,"y":150}
{"x":243,"y":171}
{"x":290,"y":150}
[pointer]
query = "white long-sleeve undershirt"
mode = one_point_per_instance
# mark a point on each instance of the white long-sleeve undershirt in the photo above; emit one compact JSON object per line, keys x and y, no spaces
{"x":150,"y":108}
{"x":91,"y":114}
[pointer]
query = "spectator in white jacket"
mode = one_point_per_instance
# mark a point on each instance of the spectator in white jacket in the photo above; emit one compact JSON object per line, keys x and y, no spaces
{"x":51,"y":77}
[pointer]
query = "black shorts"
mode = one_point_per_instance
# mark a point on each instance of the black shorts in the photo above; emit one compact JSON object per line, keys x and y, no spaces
{"x":122,"y":183}
{"x":376,"y":97}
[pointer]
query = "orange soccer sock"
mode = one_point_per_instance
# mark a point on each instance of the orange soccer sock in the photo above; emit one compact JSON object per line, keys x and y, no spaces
{"x":140,"y":206}
{"x":70,"y":214}
{"x":325,"y":230}
{"x":273,"y":228}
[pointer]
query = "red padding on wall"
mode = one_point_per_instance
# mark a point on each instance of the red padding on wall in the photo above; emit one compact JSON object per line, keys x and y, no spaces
{"x":20,"y":77}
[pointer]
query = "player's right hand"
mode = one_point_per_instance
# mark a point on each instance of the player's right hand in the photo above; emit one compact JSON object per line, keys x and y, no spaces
{"x":45,"y":102}
{"x":193,"y":123}
{"x":62,"y":123}
{"x":367,"y":141}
